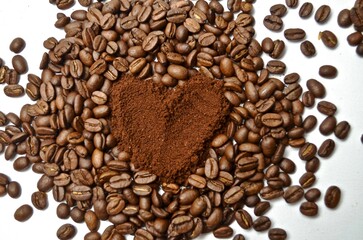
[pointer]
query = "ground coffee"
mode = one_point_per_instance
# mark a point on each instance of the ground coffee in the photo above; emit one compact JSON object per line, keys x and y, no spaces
{"x":166,"y":130}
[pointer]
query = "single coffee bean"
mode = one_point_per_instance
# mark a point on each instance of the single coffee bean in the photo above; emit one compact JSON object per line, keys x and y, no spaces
{"x":91,"y":220}
{"x":312,"y":195}
{"x":19,"y":63}
{"x":277,"y":234}
{"x":261,"y":224}
{"x":308,"y":99}
{"x":328,"y":71}
{"x":332,"y":197}
{"x":316,"y":88}
{"x":273,"y":23}
{"x":355,"y":38}
{"x":267,"y":45}
{"x":14,"y":189}
{"x":294,"y":34}
{"x":243,"y":219}
{"x":63,"y":211}
{"x":307,"y":180}
{"x":65,"y":4}
{"x":328,"y":125}
{"x":276,"y":66}
{"x":306,"y":10}
{"x":292,"y":3}
{"x":326,"y":148}
{"x":23,"y":213}
{"x":356,"y":17}
{"x":17,"y":45}
{"x":307,"y":151}
{"x":278,"y":10}
{"x":312,"y":165}
{"x":327,"y":108}
{"x":344,"y":20}
{"x":4,"y":179}
{"x":307,"y":48}
{"x":329,"y":39}
{"x":239,"y":237}
{"x":3,"y":190}
{"x":223,"y":232}
{"x":66,"y":231}
{"x":322,"y":14}
{"x":309,"y":209}
{"x":261,"y":208}
{"x":309,"y":123}
{"x":40,"y":200}
{"x":293,"y":194}
{"x":85,"y":3}
{"x":359,"y":49}
{"x":14,"y":90}
{"x":291,"y":78}
{"x":342,"y":129}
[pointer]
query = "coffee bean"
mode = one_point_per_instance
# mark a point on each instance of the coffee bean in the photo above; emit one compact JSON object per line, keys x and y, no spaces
{"x":223,"y":232}
{"x":322,"y":14}
{"x":278,"y":49}
{"x":77,"y":215}
{"x":14,"y":189}
{"x":329,"y":39}
{"x":316,"y":88}
{"x":307,"y":151}
{"x":14,"y":90}
{"x":278,"y":10}
{"x":239,"y":237}
{"x":328,"y":125}
{"x":309,"y":209}
{"x":306,"y":10}
{"x":293,"y":194}
{"x":243,"y":219}
{"x":66,"y":231}
{"x":326,"y":148}
{"x":261,"y":224}
{"x":355,"y":38}
{"x":359,"y":49}
{"x":276,"y":66}
{"x":17,"y":45}
{"x":277,"y":234}
{"x":307,"y":48}
{"x":261,"y":208}
{"x":39,"y":200}
{"x":332,"y":197}
{"x":19,"y":63}
{"x":63,"y":211}
{"x":328,"y":71}
{"x":343,"y":19}
{"x":273,"y":23}
{"x":312,"y":195}
{"x":356,"y":18}
{"x":312,"y":165}
{"x":327,"y":108}
{"x":292,"y":3}
{"x":294,"y":34}
{"x":23,"y":213}
{"x":267,"y":45}
{"x":342,"y":129}
{"x":307,"y":180}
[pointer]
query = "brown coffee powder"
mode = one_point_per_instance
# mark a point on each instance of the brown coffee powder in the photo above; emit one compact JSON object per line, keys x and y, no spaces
{"x":167,"y":130}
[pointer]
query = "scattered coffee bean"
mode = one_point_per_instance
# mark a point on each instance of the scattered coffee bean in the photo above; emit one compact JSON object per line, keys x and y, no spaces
{"x":262,"y":223}
{"x":342,"y":129}
{"x":328,"y":125}
{"x":292,"y":3}
{"x":306,"y":10}
{"x":328,"y":71}
{"x":17,"y":45}
{"x":278,"y":10}
{"x":309,"y":209}
{"x":294,"y":34}
{"x":19,"y":63}
{"x":14,"y":189}
{"x":327,"y":108}
{"x":329,"y":38}
{"x":344,"y":18}
{"x":273,"y":23}
{"x":312,"y":195}
{"x":326,"y":148}
{"x":307,"y":48}
{"x":23,"y":213}
{"x":322,"y":14}
{"x":277,"y":234}
{"x":332,"y":197}
{"x":66,"y":231}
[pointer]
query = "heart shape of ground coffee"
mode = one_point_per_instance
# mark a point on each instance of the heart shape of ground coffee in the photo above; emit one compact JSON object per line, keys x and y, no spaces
{"x":167,"y":130}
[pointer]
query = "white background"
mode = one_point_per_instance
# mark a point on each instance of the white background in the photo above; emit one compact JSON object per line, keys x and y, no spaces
{"x":33,"y":20}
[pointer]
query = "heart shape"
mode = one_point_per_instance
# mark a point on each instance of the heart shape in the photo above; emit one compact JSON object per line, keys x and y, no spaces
{"x":167,"y":130}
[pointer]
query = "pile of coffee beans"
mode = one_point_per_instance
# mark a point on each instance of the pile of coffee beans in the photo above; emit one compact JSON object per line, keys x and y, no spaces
{"x":65,"y":135}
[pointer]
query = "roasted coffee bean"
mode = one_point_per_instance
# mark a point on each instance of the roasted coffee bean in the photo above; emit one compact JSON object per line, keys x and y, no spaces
{"x":85,"y":3}
{"x":332,"y":197}
{"x":326,"y":148}
{"x":19,"y":63}
{"x":307,"y":48}
{"x":355,"y":38}
{"x":292,"y":3}
{"x":294,"y":34}
{"x":261,"y":208}
{"x":261,"y":224}
{"x":344,"y":18}
{"x":14,"y":90}
{"x":243,"y":219}
{"x":65,"y":4}
{"x":329,"y":38}
{"x":39,"y":200}
{"x":267,"y":45}
{"x":356,"y":17}
{"x":327,"y":108}
{"x":328,"y":125}
{"x":91,"y":220}
{"x":179,"y":225}
{"x":293,"y":194}
{"x":273,"y":23}
{"x":322,"y":13}
{"x":278,"y":10}
{"x":342,"y":129}
{"x":77,"y":215}
{"x":4,"y":179}
{"x":309,"y":209}
{"x":223,"y":232}
{"x":312,"y":165}
{"x":316,"y":88}
{"x":277,"y":234}
{"x":23,"y":213}
{"x":276,"y":66}
{"x":21,"y":164}
{"x":359,"y":49}
{"x":14,"y":189}
{"x":17,"y":45}
{"x":66,"y":231}
{"x":328,"y":71}
{"x":307,"y":179}
{"x":307,"y":151}
{"x":308,"y":99}
{"x":63,"y":211}
{"x":312,"y":195}
{"x":278,"y":49}
{"x":309,"y":123}
{"x":239,"y":237}
{"x":306,"y":10}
